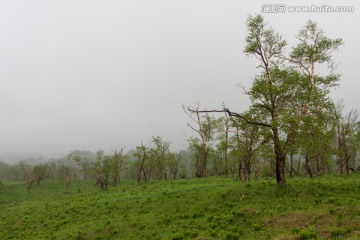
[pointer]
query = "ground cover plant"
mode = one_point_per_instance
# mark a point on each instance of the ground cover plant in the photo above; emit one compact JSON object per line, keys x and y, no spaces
{"x":326,"y":207}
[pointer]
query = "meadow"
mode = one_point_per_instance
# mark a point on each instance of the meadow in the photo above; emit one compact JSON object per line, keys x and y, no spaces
{"x":326,"y":207}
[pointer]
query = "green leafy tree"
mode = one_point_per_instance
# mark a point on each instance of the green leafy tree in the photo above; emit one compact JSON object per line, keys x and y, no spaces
{"x":206,"y":128}
{"x":315,"y":143}
{"x":118,"y":165}
{"x":347,"y":135}
{"x":246,"y":141}
{"x":282,"y":93}
{"x":159,"y":157}
{"x":176,"y":165}
{"x":68,"y":175}
{"x":40,"y":172}
{"x":288,"y":88}
{"x":142,"y":154}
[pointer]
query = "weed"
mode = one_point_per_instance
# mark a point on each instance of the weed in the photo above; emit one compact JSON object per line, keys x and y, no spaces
{"x":338,"y":232}
{"x":257,"y":227}
{"x":308,"y":233}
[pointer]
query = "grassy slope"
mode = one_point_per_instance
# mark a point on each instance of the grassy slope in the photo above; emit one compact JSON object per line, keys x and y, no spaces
{"x":212,"y":208}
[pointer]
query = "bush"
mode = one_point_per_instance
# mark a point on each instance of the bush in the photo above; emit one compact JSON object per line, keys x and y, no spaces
{"x":1,"y":186}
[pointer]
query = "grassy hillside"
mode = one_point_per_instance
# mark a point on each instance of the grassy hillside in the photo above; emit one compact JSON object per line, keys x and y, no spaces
{"x":327,"y":207}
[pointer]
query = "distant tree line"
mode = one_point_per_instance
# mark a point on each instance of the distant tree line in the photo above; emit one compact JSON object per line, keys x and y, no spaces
{"x":154,"y":161}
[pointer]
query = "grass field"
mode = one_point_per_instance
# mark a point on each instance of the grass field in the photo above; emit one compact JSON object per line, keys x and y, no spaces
{"x":326,"y":207}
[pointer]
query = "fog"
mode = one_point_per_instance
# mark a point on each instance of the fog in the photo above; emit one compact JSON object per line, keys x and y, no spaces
{"x":95,"y":75}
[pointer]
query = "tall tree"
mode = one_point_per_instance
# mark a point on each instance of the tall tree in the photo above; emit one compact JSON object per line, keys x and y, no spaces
{"x":288,"y":88}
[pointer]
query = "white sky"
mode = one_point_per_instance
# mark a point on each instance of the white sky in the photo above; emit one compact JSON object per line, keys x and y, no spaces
{"x":86,"y":74}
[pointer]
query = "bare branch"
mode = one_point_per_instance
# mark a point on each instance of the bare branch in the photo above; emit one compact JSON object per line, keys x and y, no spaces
{"x":232,"y":114}
{"x":194,"y":129}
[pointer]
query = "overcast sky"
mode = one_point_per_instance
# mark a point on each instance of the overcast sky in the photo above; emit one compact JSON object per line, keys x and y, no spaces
{"x":85,"y":74}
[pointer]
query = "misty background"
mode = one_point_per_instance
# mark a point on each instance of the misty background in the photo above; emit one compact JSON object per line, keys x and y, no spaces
{"x":109,"y":74}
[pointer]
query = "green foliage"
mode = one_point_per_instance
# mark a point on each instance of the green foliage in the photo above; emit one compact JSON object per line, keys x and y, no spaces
{"x":288,"y":93}
{"x":158,"y":162}
{"x":308,"y":233}
{"x":321,"y":51}
{"x":338,"y":232}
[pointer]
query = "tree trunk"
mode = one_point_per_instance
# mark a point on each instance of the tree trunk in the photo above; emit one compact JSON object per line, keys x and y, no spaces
{"x":257,"y":168}
{"x":226,"y":164}
{"x":139,"y":175}
{"x":280,"y":158}
{"x":203,"y":167}
{"x":347,"y":159}
{"x":198,"y":167}
{"x":240,"y":169}
{"x":280,"y":169}
{"x":247,"y":168}
{"x":291,"y":164}
{"x":307,"y":167}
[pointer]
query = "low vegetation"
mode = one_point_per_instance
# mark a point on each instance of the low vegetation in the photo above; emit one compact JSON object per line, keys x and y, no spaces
{"x":326,"y":207}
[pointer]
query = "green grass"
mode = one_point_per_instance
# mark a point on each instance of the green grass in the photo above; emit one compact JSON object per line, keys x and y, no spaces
{"x":327,"y":207}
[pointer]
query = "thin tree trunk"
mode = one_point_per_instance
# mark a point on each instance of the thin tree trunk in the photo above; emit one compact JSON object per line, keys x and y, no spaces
{"x":247,"y":167}
{"x":203,"y":172}
{"x":307,"y":167}
{"x":240,"y":169}
{"x":291,"y":164}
